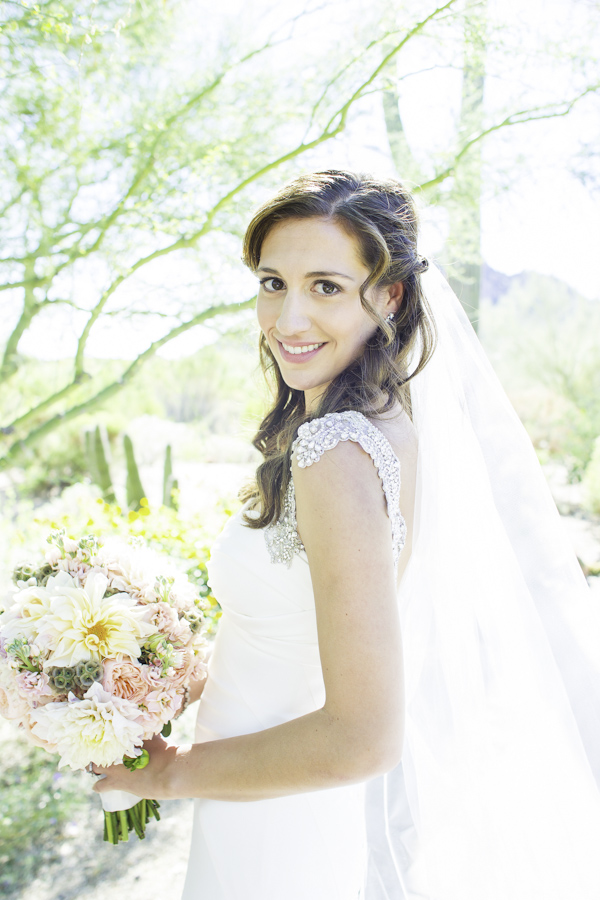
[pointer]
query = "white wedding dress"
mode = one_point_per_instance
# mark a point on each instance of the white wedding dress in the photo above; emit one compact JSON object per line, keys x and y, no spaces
{"x":264,"y":670}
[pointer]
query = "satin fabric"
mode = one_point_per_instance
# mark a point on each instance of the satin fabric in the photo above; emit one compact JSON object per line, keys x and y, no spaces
{"x":264,"y":670}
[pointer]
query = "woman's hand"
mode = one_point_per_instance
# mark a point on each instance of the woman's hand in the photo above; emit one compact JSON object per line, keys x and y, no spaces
{"x":151,"y":782}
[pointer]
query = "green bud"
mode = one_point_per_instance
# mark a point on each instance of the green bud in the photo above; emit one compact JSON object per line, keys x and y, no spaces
{"x":86,"y":673}
{"x":195,"y":620}
{"x":23,"y":572}
{"x":137,"y":762}
{"x":61,"y":678}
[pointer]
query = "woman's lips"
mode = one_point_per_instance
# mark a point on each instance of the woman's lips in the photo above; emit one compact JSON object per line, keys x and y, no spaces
{"x":298,"y":357}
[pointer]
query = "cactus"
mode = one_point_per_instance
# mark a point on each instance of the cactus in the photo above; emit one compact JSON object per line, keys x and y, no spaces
{"x":103,"y":472}
{"x":135,"y":491}
{"x":170,"y":483}
{"x":90,"y":455}
{"x":95,"y":451}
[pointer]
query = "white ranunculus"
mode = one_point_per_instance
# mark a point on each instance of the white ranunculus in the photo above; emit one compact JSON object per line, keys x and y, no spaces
{"x":131,"y":569}
{"x":98,"y":729}
{"x":83,"y":624}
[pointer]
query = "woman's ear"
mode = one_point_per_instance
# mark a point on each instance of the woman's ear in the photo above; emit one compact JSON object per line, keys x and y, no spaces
{"x":392,"y":298}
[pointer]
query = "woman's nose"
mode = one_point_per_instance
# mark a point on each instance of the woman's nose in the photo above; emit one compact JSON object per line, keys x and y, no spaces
{"x":293,"y":317}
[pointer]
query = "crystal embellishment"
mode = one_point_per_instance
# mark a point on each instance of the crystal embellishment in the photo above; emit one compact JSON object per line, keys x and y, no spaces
{"x":314,"y":439}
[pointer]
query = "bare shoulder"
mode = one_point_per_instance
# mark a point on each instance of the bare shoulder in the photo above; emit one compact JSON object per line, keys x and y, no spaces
{"x":400,"y":432}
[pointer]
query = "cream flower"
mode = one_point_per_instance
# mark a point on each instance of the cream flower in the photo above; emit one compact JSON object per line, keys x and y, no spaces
{"x":26,"y":613}
{"x":25,"y":727}
{"x":12,"y":705}
{"x":84,"y":624}
{"x":99,"y":729}
{"x":131,"y":569}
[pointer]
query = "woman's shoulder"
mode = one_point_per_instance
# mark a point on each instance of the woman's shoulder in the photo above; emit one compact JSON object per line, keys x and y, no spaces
{"x":344,"y":490}
{"x":392,"y":434}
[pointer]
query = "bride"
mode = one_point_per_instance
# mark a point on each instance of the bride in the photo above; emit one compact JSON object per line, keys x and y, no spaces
{"x":403,"y":698}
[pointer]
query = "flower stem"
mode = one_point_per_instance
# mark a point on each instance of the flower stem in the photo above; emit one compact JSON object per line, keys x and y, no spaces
{"x":117,"y":825}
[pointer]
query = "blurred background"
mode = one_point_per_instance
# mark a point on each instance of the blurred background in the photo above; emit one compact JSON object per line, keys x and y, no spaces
{"x":136,"y":138}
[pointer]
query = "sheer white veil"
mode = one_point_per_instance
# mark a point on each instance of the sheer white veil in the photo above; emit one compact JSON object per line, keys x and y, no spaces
{"x":497,"y":796}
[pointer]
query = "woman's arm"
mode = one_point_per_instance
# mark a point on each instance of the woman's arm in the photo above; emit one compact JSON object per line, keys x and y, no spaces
{"x":357,"y":734}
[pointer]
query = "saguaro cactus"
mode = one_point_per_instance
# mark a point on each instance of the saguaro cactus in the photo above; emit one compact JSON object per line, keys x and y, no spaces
{"x":169,"y":482}
{"x":96,"y":443}
{"x":102,"y":468}
{"x":133,"y":485}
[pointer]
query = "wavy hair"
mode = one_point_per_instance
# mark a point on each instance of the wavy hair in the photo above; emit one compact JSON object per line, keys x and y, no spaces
{"x":381,"y":216}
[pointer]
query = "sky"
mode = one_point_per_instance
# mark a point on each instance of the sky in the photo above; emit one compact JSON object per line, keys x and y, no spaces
{"x":538,"y":216}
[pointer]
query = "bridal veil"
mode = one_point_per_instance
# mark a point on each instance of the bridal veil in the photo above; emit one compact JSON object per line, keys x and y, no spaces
{"x":497,"y":796}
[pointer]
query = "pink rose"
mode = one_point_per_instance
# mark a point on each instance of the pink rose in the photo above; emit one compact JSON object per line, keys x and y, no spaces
{"x":12,"y":705}
{"x":125,"y":678}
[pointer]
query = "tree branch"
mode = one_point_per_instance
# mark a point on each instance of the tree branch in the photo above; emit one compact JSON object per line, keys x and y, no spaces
{"x":534,"y":114}
{"x":18,"y":447}
{"x":342,"y":112}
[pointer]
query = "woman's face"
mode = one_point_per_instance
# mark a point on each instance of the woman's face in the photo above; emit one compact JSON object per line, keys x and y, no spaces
{"x":309,"y":306}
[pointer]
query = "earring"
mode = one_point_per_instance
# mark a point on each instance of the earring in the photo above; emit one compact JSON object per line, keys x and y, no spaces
{"x":390,"y":317}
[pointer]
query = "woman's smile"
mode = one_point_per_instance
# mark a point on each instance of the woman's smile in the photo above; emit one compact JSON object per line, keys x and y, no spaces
{"x":298,"y":353}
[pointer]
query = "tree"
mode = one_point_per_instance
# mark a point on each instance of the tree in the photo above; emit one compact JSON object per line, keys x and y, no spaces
{"x":117,"y":156}
{"x":536,"y":76}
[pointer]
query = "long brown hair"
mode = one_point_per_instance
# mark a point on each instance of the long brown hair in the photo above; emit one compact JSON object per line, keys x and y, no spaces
{"x":382,"y":217}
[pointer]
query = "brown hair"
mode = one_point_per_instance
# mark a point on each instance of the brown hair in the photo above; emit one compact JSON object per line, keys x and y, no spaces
{"x":382,"y":217}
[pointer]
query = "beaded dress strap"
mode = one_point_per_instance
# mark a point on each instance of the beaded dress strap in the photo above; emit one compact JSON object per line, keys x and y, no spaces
{"x":314,"y":439}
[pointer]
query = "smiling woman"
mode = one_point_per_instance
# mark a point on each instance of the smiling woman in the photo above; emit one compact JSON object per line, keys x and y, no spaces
{"x":403,"y":695}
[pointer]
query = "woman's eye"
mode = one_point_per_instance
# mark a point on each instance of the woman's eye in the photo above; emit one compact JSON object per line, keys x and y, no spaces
{"x":327,"y":287}
{"x":272,"y":285}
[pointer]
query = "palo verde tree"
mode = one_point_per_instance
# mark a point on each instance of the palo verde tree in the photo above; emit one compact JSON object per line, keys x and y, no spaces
{"x":130,"y":140}
{"x":134,"y":139}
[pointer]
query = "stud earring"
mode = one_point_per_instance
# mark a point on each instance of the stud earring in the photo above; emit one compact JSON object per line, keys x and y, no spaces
{"x":390,"y":317}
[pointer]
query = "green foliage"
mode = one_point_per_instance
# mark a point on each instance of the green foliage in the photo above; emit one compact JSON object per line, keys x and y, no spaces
{"x":50,"y":467}
{"x":135,"y":492}
{"x":37,"y":803}
{"x":128,"y":135}
{"x":544,"y":341}
{"x":591,"y":480}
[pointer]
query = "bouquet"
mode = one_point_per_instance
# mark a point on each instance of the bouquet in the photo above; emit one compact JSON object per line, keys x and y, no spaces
{"x":97,"y":645}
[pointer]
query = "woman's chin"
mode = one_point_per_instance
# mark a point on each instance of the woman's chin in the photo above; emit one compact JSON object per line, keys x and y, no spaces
{"x":298,"y":383}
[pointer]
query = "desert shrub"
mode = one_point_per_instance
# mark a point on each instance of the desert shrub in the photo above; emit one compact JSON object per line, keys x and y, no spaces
{"x":544,"y":341}
{"x":591,"y":480}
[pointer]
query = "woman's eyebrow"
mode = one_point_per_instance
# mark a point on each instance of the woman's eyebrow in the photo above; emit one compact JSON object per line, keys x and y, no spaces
{"x":308,"y":274}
